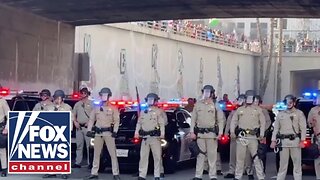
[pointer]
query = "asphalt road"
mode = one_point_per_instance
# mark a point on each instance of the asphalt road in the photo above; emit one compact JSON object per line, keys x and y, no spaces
{"x":185,"y":172}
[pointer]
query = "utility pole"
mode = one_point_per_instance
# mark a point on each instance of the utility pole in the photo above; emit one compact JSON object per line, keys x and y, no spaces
{"x":279,"y":62}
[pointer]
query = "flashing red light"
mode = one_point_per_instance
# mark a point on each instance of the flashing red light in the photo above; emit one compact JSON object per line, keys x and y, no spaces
{"x":165,"y":105}
{"x":136,"y":141}
{"x":113,"y":102}
{"x":306,"y":143}
{"x":129,"y":102}
{"x":75,"y":95}
{"x":4,"y":91}
{"x":224,"y":140}
{"x":121,"y":103}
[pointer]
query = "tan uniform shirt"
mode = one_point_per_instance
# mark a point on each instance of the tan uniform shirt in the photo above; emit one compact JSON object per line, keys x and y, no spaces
{"x":248,"y":117}
{"x":267,"y":117}
{"x":284,"y":125}
{"x":4,"y":109}
{"x":44,"y":106}
{"x":314,"y":119}
{"x":227,"y":129}
{"x":151,"y":120}
{"x":104,"y":119}
{"x":204,"y":116}
{"x":82,"y":110}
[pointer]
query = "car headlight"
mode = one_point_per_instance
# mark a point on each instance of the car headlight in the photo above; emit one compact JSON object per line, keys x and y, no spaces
{"x":163,"y":143}
{"x":92,"y":141}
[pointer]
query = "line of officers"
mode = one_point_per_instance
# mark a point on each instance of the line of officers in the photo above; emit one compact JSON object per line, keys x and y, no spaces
{"x":246,"y":127}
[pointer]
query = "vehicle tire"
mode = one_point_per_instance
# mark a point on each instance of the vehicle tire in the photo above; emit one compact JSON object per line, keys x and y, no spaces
{"x":170,"y":158}
{"x":170,"y":165}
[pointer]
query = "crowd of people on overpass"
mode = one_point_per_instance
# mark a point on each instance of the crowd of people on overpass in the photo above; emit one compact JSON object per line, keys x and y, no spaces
{"x":208,"y":34}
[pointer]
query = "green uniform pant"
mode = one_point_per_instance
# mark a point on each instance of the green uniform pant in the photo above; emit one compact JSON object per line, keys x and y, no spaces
{"x":98,"y":145}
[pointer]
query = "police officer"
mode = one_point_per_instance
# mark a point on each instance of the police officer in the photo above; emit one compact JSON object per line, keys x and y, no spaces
{"x":290,"y":128}
{"x":314,"y":122}
{"x":232,"y":161}
{"x":82,"y":110}
{"x":207,"y":125}
{"x":104,"y":121}
{"x":4,"y":109}
{"x":251,"y":123}
{"x":59,"y":105}
{"x":258,"y":102}
{"x":151,"y":127}
{"x":46,"y":103}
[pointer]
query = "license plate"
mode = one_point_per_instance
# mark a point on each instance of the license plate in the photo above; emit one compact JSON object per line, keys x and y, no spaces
{"x":122,"y":152}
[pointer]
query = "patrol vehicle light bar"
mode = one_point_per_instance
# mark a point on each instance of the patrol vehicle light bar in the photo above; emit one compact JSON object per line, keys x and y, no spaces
{"x":4,"y":91}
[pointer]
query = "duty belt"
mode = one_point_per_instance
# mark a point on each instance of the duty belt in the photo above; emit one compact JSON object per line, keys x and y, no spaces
{"x":103,"y":129}
{"x":205,"y":130}
{"x":155,"y":132}
{"x":255,"y":131}
{"x":288,"y":136}
{"x":83,"y":125}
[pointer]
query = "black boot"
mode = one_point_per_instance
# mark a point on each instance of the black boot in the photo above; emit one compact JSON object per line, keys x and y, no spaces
{"x":161,"y":175}
{"x":141,"y":178}
{"x":195,"y":178}
{"x":116,"y":177}
{"x":250,"y":177}
{"x":156,"y":178}
{"x":229,"y":176}
{"x":4,"y":173}
{"x":219,"y":173}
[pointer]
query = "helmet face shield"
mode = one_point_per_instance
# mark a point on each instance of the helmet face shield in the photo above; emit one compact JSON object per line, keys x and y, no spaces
{"x":104,"y":97}
{"x":249,"y":99}
{"x":256,"y":101}
{"x":289,"y":103}
{"x":206,"y":93}
{"x":240,"y":101}
{"x":58,"y":100}
{"x":150,"y":101}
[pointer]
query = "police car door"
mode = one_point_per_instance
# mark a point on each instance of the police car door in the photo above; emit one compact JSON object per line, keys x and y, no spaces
{"x":184,"y":120}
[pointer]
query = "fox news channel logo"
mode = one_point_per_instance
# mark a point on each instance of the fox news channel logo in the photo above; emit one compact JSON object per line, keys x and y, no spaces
{"x":39,"y":142}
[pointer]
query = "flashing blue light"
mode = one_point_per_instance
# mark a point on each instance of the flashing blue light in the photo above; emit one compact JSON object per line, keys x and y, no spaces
{"x":280,"y":106}
{"x":96,"y":102}
{"x":314,"y":94}
{"x":307,"y":94}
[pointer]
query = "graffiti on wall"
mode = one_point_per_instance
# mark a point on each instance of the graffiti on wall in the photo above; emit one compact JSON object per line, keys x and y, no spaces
{"x":219,"y":76}
{"x":237,"y":82}
{"x":155,"y":78}
{"x":180,"y":74}
{"x":124,"y":80}
{"x":87,"y":49}
{"x":200,"y":81}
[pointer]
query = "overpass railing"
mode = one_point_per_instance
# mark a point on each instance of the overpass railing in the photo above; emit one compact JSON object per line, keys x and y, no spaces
{"x":200,"y":34}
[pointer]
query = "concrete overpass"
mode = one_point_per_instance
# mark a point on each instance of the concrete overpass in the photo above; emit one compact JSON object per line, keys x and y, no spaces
{"x":86,"y":12}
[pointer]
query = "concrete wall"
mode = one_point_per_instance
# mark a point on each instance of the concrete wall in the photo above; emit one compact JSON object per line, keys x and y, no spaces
{"x":104,"y":44}
{"x":35,"y":53}
{"x":291,"y":62}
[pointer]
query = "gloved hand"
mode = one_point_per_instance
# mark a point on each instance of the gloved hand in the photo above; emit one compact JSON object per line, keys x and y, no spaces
{"x":114,"y":135}
{"x":302,"y":145}
{"x":90,"y":134}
